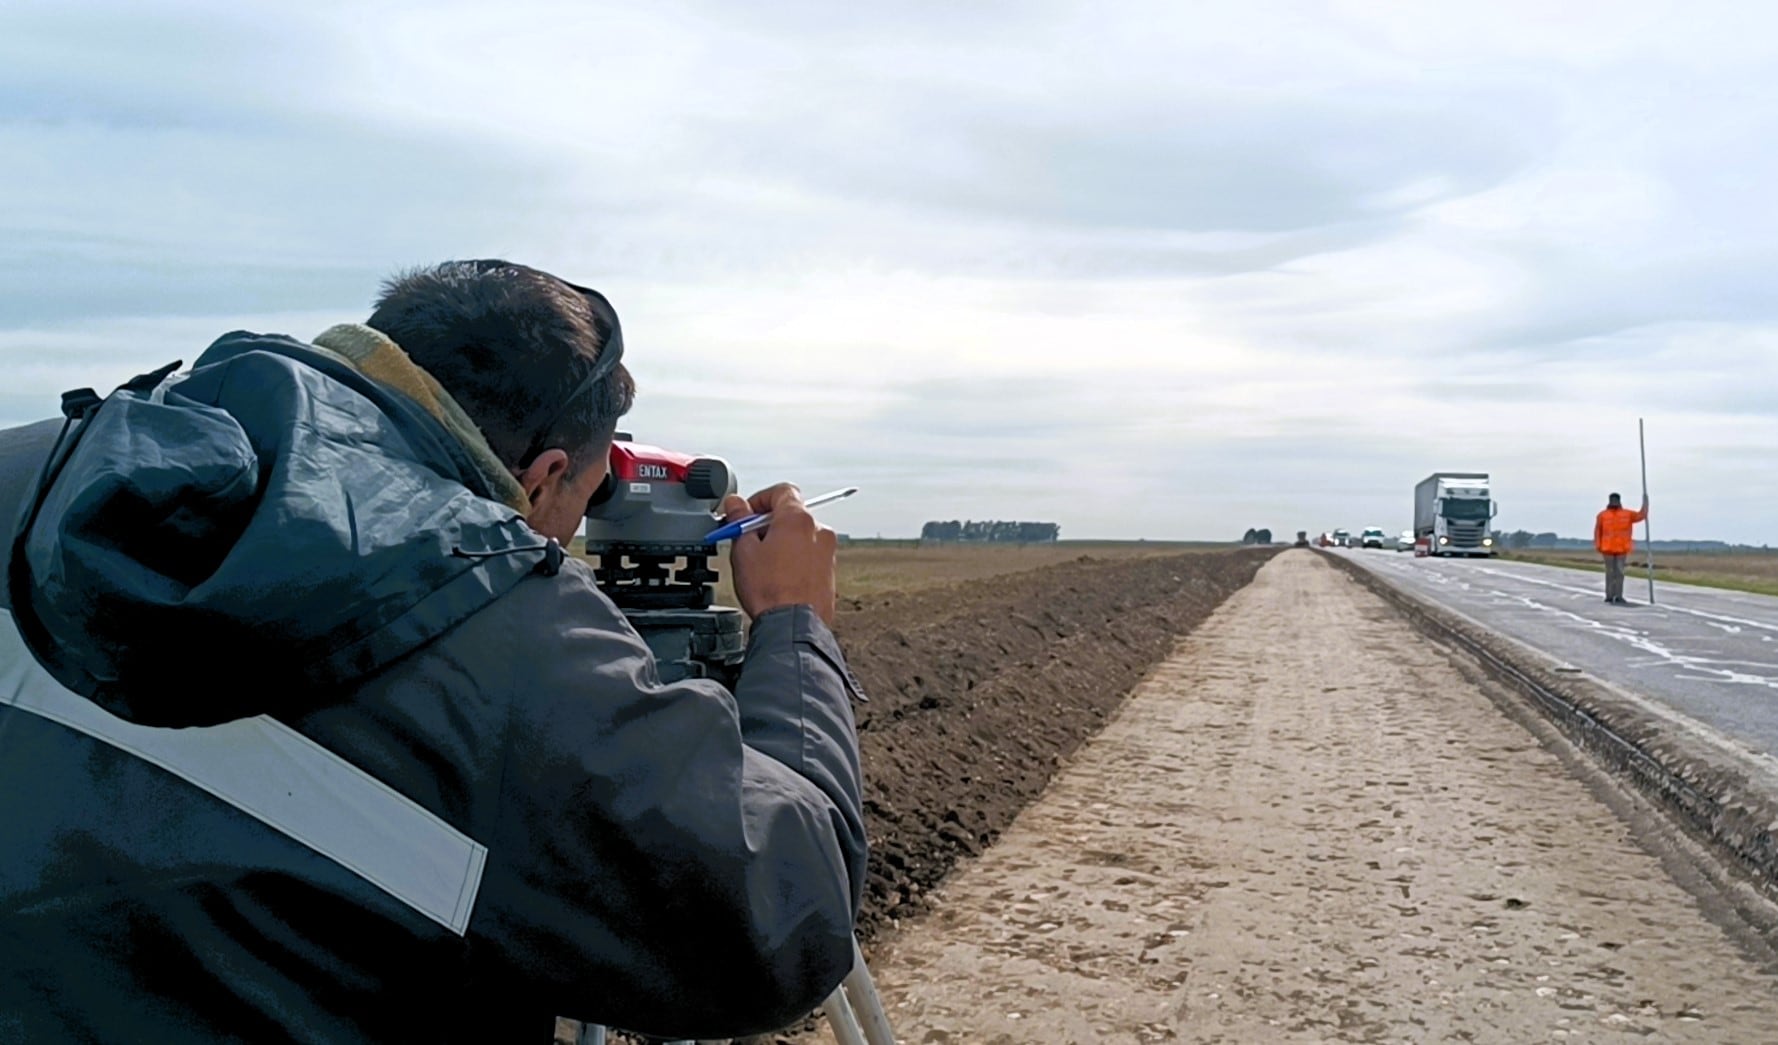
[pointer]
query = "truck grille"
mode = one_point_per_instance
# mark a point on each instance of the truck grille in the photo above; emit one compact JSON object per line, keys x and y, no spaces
{"x":1466,"y":535}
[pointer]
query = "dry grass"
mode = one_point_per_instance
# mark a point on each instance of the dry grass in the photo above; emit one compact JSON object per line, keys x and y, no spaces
{"x":1749,"y":571}
{"x":872,"y":567}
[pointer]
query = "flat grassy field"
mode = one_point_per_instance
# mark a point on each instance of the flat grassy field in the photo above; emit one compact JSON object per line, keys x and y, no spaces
{"x":871,"y":567}
{"x":1737,"y":571}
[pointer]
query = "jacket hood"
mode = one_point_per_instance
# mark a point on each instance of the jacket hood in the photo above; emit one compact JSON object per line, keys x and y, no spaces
{"x":254,"y":535}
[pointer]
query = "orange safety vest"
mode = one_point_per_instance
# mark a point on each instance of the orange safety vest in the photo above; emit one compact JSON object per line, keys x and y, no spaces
{"x":1612,"y":531}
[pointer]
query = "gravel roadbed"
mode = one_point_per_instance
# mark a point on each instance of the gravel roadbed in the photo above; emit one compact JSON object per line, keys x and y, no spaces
{"x":1724,"y":793}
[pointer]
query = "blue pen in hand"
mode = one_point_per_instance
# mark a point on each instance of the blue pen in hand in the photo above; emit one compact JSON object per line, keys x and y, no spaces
{"x":730,"y":531}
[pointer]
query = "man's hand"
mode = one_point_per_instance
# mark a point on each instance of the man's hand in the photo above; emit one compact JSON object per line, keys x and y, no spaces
{"x":790,"y":562}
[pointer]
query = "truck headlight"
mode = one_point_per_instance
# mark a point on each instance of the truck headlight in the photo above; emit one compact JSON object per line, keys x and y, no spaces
{"x":1487,"y":542}
{"x":1444,"y":540}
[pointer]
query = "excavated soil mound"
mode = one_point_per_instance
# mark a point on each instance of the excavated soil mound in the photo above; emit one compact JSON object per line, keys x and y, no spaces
{"x":978,"y":690}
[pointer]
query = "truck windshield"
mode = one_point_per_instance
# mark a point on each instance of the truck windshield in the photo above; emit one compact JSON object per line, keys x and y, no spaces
{"x":1470,"y":509}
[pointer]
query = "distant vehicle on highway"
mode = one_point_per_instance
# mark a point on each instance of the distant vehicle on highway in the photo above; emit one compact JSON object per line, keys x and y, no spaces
{"x":1405,"y":541}
{"x":1452,"y":511}
{"x":1372,"y":537}
{"x":1342,"y":538}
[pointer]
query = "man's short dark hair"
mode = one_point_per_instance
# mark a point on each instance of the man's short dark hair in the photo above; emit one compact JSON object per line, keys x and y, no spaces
{"x":1613,"y":497}
{"x":508,"y":342}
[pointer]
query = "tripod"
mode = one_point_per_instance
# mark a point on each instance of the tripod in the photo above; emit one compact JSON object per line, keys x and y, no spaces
{"x":854,"y":1011}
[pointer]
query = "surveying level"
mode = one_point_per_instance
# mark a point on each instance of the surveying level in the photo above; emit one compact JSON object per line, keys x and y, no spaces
{"x":645,"y":527}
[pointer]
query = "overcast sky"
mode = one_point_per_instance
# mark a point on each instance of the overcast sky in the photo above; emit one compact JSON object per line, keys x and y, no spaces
{"x":1146,"y":270}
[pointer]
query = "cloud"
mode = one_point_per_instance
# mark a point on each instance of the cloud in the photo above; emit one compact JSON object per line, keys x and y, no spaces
{"x":1165,"y":271}
{"x":1203,"y":162}
{"x":105,"y":221}
{"x":41,"y":362}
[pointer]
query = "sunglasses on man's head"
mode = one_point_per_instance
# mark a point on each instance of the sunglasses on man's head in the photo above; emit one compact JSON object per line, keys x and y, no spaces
{"x":610,"y":354}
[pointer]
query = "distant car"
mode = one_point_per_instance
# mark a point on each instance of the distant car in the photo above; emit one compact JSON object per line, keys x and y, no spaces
{"x":1405,"y":542}
{"x":1342,"y":538}
{"x":1372,"y":537}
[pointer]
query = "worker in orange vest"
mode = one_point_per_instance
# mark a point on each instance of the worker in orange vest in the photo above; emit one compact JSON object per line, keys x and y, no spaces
{"x":1612,"y":537}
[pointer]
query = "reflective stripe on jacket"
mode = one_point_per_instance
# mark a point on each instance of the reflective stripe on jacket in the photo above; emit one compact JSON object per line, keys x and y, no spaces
{"x":1612,"y":530}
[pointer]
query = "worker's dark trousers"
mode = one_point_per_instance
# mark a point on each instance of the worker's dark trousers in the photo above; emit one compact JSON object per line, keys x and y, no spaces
{"x":1614,"y":577}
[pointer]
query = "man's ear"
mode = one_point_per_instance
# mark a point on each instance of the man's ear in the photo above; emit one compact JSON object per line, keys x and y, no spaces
{"x":544,"y":473}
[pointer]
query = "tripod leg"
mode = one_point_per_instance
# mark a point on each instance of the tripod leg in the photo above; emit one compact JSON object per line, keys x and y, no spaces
{"x":854,"y":1010}
{"x":840,"y":1017}
{"x":862,"y":991}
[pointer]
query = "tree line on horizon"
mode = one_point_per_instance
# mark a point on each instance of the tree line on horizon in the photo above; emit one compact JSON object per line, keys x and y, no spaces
{"x":992,"y":531}
{"x":1523,"y":540}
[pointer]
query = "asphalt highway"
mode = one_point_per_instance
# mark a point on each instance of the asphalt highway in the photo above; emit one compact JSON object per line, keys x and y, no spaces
{"x":1709,"y":655}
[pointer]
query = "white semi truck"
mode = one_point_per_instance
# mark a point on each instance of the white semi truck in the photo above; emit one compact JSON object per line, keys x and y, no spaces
{"x":1452,"y":513}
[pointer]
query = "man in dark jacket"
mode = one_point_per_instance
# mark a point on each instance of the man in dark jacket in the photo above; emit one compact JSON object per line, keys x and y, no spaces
{"x":308,"y":733}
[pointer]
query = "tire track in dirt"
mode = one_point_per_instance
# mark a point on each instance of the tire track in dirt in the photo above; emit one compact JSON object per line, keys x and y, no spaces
{"x":1308,"y":825}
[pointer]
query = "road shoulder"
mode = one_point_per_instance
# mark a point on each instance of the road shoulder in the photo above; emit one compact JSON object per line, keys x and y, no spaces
{"x":1721,"y":796}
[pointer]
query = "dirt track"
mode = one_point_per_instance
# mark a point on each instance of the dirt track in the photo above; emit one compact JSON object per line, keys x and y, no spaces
{"x":1306,"y":826}
{"x":979,"y":689}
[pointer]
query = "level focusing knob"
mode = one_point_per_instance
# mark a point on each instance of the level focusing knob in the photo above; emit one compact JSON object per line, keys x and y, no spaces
{"x":708,"y":479}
